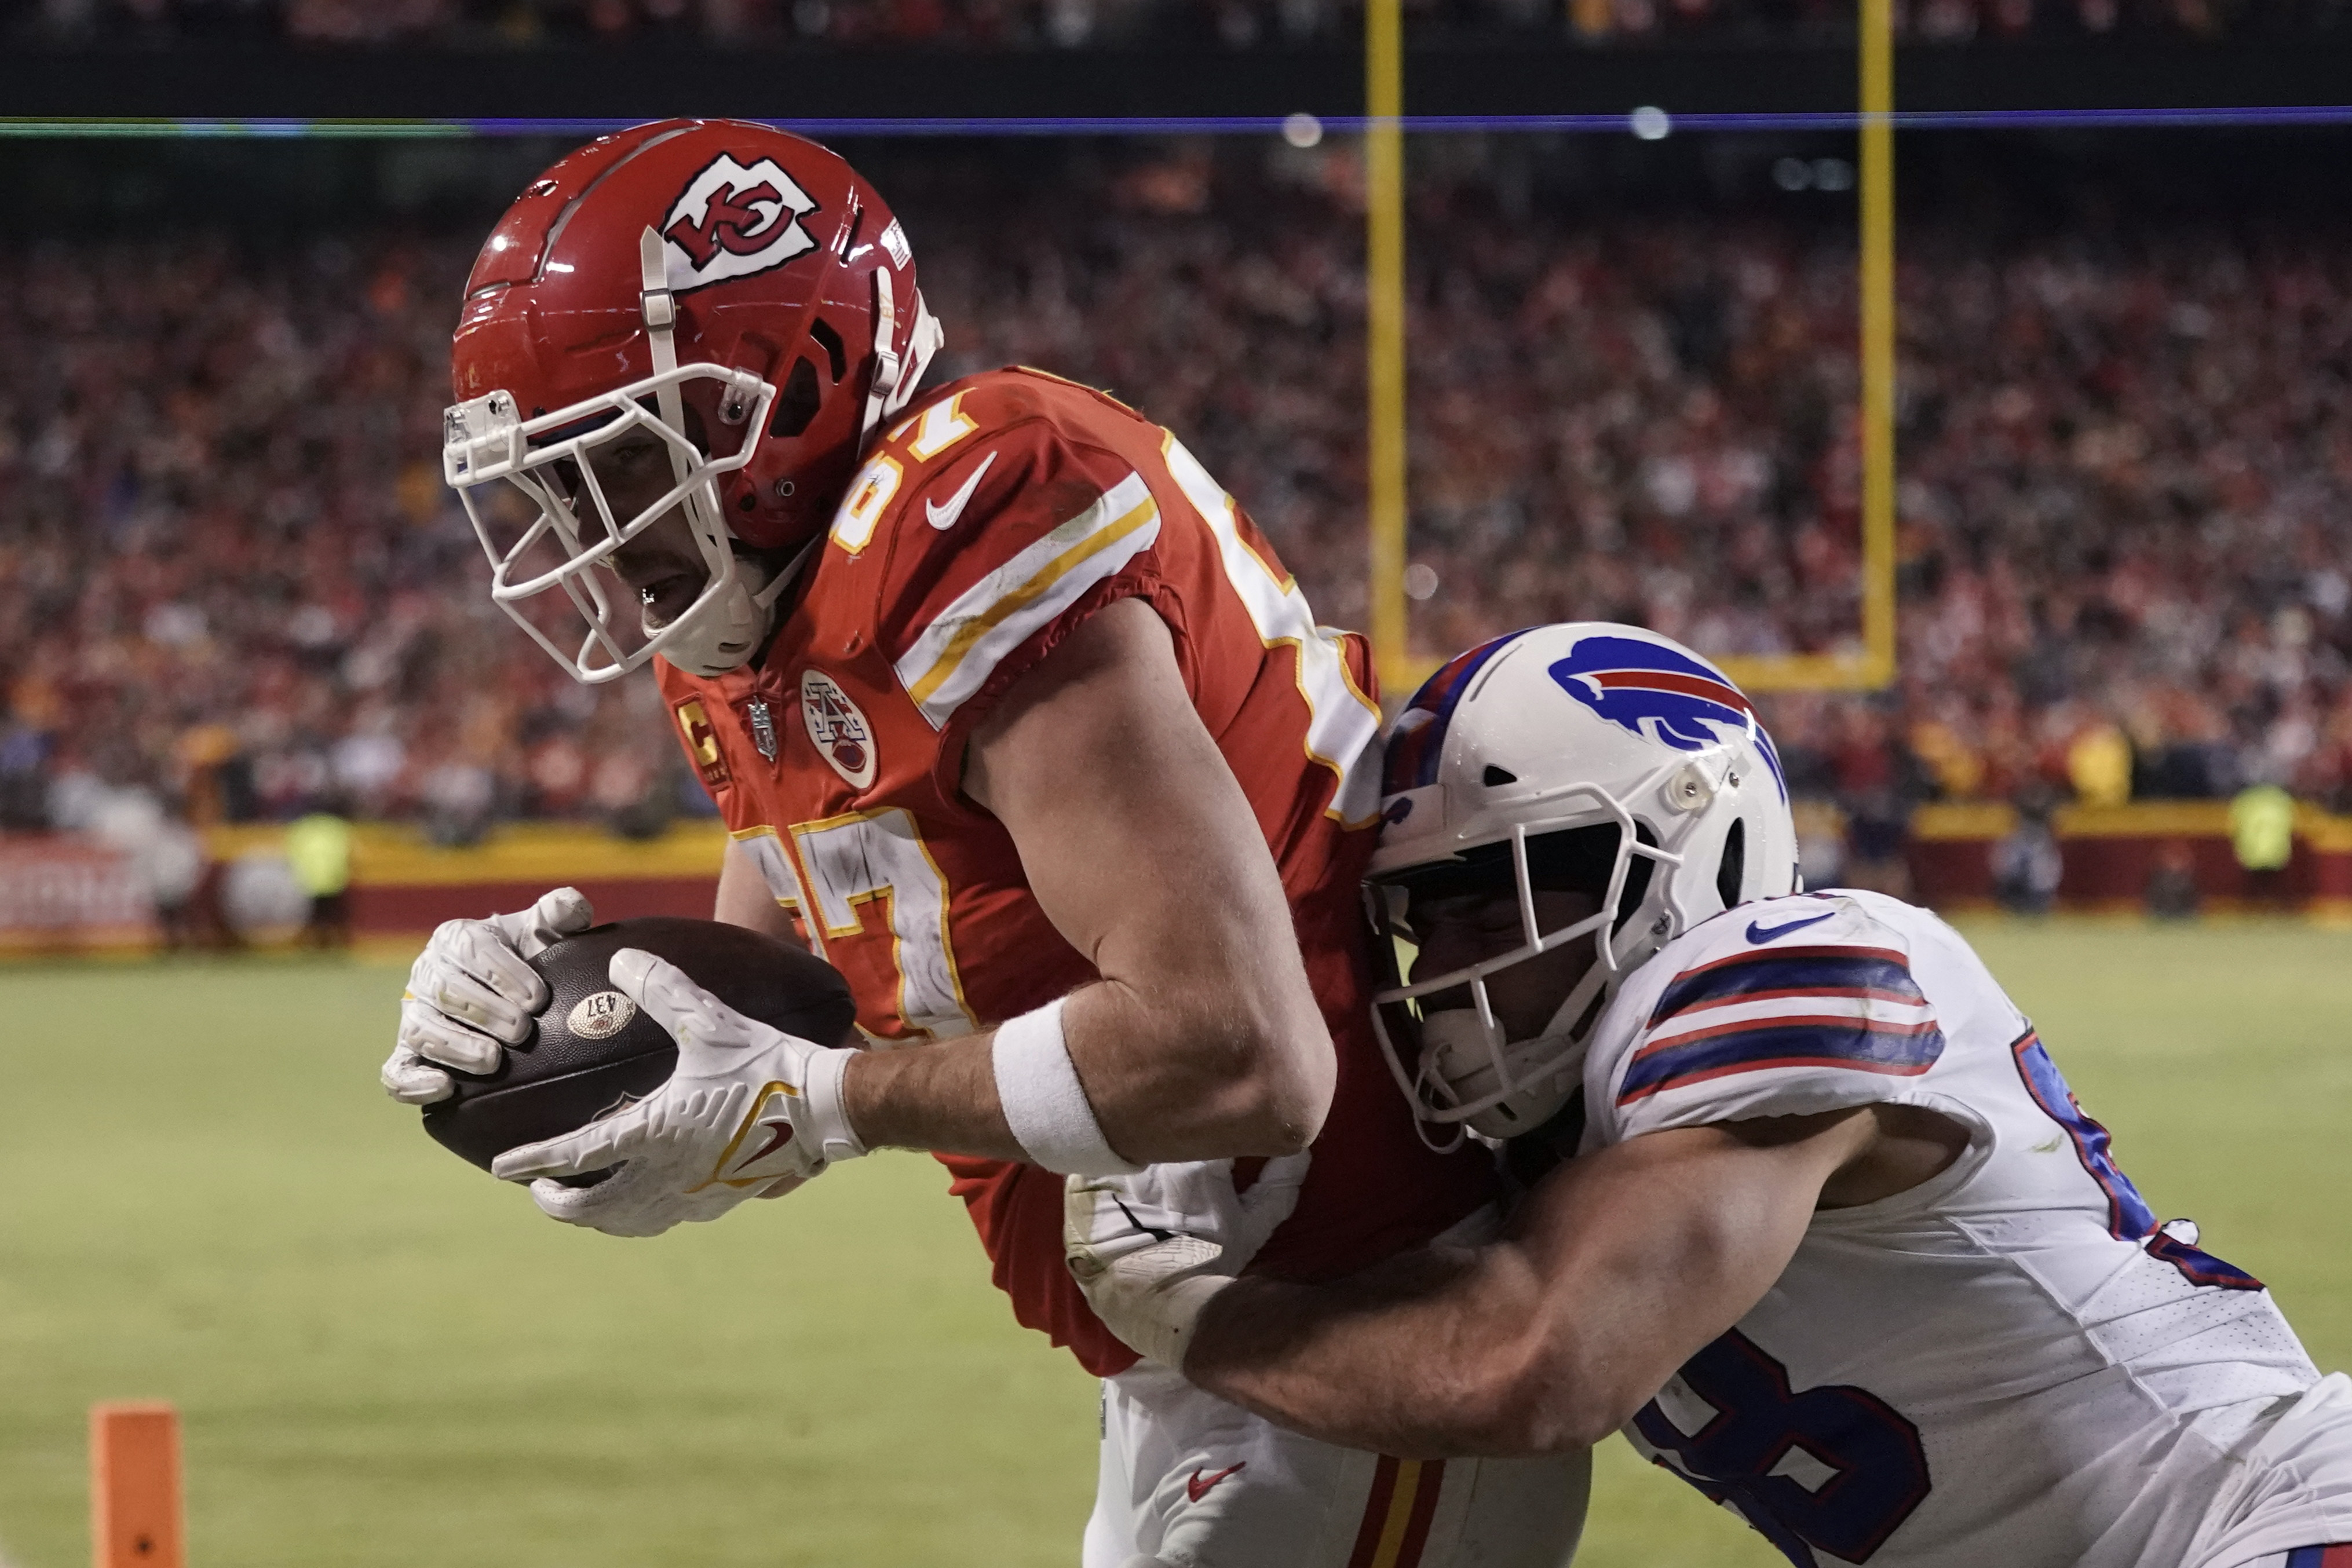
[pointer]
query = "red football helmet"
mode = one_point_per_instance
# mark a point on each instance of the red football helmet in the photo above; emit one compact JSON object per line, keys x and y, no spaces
{"x":742,"y":296}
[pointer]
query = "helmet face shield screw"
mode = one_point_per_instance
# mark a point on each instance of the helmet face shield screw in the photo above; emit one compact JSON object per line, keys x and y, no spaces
{"x":783,"y":489}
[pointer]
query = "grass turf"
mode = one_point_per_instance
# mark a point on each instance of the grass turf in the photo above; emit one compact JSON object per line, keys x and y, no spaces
{"x":384,"y":1358}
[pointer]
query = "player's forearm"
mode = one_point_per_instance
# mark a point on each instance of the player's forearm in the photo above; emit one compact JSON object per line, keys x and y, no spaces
{"x":1620,"y":1267}
{"x":1193,"y":1072}
{"x":1424,"y":1357}
{"x":1164,"y":1082}
{"x":938,"y":1097}
{"x":745,"y":900}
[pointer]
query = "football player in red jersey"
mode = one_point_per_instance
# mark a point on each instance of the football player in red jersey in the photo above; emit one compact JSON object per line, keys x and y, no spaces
{"x":1013,"y":716}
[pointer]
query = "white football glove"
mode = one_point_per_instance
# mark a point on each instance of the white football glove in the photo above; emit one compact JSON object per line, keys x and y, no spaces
{"x":470,"y":991}
{"x":751,"y":1111}
{"x":1149,"y":1249}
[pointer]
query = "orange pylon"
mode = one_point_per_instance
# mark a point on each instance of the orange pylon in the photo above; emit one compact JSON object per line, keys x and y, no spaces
{"x":135,"y":1487}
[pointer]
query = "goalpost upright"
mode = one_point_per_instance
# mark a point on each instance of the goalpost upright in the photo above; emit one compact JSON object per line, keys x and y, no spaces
{"x":1872,"y":666}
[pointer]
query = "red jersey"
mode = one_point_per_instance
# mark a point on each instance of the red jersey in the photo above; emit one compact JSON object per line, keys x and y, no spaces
{"x":1000,"y":514}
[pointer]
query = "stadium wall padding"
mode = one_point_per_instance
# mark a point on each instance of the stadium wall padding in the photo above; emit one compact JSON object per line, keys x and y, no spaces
{"x":62,"y":893}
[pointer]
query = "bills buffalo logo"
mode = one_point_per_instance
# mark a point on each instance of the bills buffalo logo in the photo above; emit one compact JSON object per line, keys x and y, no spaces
{"x":734,"y":220}
{"x":836,"y":728}
{"x":1661,"y":695}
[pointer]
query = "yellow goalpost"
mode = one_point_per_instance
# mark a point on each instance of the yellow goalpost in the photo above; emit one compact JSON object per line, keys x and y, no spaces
{"x":1401,"y":670}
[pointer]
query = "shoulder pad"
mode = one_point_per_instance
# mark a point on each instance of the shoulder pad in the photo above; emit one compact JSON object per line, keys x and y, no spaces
{"x":1774,"y":1009}
{"x":989,"y":515}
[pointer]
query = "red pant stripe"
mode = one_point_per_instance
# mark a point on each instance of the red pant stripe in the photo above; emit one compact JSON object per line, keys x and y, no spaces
{"x":1424,"y":1509}
{"x":1376,"y":1513}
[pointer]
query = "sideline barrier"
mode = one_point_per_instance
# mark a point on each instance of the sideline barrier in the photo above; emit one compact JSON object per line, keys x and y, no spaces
{"x":2110,"y":852}
{"x":56,"y":890}
{"x":64,"y":895}
{"x":60,"y":893}
{"x":402,"y":883}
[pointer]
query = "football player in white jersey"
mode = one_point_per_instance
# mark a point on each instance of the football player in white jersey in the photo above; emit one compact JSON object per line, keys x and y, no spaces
{"x":1837,"y":1244}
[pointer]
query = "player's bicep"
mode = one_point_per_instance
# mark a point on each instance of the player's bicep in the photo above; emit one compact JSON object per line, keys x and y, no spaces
{"x":1124,"y":811}
{"x":1619,"y":1266}
{"x":1649,"y":1249}
{"x":1205,"y":1041}
{"x":1835,"y":1019}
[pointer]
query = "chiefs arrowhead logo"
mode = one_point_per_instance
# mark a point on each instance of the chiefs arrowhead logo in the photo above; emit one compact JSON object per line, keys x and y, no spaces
{"x":836,"y":728}
{"x":732,"y":220}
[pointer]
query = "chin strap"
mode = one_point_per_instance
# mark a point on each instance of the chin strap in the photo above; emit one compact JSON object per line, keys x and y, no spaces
{"x":896,"y":377}
{"x":660,"y":308}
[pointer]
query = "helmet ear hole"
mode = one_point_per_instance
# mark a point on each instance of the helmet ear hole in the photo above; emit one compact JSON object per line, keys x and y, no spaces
{"x":1732,"y":870}
{"x":797,"y":404}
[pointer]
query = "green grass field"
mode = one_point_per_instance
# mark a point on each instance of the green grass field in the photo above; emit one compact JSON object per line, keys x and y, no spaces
{"x":386,"y":1360}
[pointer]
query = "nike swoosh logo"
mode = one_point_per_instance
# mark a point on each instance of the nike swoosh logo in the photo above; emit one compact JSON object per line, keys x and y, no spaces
{"x":778,"y":1135}
{"x":944,"y":517}
{"x":1761,"y":934}
{"x":1196,"y":1489}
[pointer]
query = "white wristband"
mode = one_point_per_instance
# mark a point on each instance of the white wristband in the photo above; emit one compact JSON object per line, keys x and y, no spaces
{"x":1044,"y":1102}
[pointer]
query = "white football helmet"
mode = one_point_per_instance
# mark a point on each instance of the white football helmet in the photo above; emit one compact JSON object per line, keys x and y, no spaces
{"x":1589,"y":755}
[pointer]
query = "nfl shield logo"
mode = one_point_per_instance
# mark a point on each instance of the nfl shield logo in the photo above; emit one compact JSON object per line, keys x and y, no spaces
{"x":764,"y":727}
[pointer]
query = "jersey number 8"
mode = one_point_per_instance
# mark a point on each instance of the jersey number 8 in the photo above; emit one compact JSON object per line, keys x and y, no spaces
{"x":1831,"y":1468}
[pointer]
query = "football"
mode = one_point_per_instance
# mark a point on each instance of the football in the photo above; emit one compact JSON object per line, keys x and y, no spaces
{"x":591,"y":1051}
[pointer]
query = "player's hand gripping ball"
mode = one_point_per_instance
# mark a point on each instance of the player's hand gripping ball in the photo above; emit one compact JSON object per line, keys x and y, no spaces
{"x":750,"y":1110}
{"x":1149,"y":1249}
{"x":472,"y":990}
{"x":586,"y":1049}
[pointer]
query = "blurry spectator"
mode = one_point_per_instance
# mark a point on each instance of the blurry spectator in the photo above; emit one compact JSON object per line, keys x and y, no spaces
{"x":318,"y":850}
{"x":2172,"y":882}
{"x":2027,"y":864}
{"x":166,"y":855}
{"x":1073,"y":24}
{"x":2121,"y":483}
{"x":2099,"y":765}
{"x":1878,"y":783}
{"x":630,"y":789}
{"x":175,"y":867}
{"x":2261,"y":834}
{"x":24,"y":783}
{"x":1821,"y":844}
{"x":458,"y":796}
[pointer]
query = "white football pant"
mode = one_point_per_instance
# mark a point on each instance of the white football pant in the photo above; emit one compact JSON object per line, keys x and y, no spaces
{"x":1191,"y":1481}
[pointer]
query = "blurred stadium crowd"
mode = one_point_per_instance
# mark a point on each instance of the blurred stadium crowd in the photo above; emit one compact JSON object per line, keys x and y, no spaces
{"x":230,"y":575}
{"x":1074,"y":24}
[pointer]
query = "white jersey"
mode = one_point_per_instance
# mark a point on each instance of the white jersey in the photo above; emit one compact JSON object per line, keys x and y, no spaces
{"x":2012,"y":1363}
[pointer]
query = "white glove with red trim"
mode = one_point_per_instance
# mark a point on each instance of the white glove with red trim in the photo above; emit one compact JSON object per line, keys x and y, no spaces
{"x":1151,"y":1250}
{"x":470,"y":991}
{"x":751,"y":1111}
